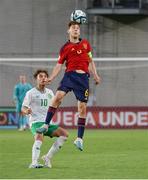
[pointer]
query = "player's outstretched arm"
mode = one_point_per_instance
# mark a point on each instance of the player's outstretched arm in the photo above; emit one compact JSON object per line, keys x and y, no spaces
{"x":56,"y":70}
{"x":92,"y":69}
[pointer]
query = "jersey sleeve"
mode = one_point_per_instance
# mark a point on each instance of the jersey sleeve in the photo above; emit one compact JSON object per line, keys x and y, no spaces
{"x":89,"y":50}
{"x":52,"y":94}
{"x":15,"y":93}
{"x":62,"y":55}
{"x":27,"y":100}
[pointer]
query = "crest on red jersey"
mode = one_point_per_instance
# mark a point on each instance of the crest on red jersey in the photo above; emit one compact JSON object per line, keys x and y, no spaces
{"x":85,"y":45}
{"x":79,"y":51}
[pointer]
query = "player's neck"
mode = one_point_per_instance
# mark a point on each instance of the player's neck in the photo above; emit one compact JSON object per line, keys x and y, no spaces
{"x":40,"y":88}
{"x":23,"y":82}
{"x":74,"y":40}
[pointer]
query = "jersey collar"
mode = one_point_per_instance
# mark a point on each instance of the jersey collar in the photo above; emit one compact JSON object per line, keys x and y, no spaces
{"x":75,"y":43}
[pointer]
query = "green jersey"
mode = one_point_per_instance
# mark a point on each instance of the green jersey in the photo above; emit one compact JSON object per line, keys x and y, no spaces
{"x":38,"y":102}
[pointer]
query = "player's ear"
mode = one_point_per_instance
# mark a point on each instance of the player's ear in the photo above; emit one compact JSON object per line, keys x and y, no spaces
{"x":68,"y":31}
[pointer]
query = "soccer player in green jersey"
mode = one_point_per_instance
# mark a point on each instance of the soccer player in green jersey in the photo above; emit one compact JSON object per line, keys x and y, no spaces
{"x":35,"y":105}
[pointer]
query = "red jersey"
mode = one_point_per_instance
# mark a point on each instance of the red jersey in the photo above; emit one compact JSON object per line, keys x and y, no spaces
{"x":75,"y":55}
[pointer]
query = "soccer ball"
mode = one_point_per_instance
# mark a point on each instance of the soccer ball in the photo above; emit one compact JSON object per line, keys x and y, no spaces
{"x":78,"y":16}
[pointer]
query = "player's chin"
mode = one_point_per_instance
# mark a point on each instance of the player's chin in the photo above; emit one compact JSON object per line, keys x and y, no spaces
{"x":75,"y":36}
{"x":43,"y":83}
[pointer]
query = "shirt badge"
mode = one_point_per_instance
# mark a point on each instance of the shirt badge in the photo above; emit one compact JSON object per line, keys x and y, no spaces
{"x":85,"y":45}
{"x":79,"y":51}
{"x":49,"y":96}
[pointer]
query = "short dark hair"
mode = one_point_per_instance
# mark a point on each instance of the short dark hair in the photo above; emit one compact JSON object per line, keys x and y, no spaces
{"x":73,"y":23}
{"x":38,"y":71}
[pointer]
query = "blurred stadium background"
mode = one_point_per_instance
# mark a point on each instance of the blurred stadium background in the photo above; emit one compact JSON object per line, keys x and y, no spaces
{"x":31,"y":34}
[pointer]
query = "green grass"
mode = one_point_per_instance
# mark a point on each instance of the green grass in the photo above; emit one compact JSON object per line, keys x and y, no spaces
{"x":108,"y":154}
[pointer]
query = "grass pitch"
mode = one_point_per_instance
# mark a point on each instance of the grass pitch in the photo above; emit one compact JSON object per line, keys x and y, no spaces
{"x":108,"y":154}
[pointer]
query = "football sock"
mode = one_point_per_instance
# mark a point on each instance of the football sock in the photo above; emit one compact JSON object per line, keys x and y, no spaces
{"x":50,"y":114}
{"x":20,"y":121}
{"x":25,"y":120}
{"x":56,"y":146}
{"x":36,"y":151}
{"x":17,"y":118}
{"x":81,"y":127}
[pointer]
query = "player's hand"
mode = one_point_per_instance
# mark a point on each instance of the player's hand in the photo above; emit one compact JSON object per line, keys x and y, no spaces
{"x":48,"y":81}
{"x":28,"y":111}
{"x":97,"y":79}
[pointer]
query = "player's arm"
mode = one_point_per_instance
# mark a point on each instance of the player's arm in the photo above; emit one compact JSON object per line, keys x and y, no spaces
{"x":26,"y":110}
{"x":15,"y":94}
{"x":92,"y":69}
{"x":56,"y":70}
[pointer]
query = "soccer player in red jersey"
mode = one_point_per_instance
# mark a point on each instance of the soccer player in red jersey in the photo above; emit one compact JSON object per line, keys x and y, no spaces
{"x":76,"y":54}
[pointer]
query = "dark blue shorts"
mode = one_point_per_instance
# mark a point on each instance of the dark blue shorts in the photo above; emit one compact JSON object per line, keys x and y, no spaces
{"x":76,"y":82}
